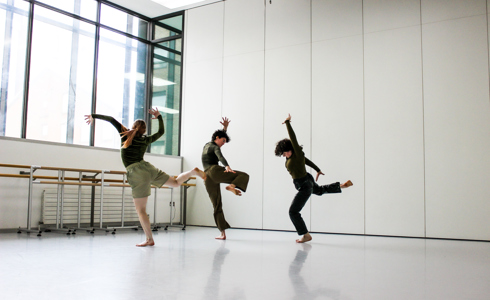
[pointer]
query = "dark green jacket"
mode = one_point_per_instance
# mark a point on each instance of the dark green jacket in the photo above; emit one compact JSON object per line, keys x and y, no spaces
{"x":297,"y":161}
{"x":211,"y":155}
{"x":134,"y":153}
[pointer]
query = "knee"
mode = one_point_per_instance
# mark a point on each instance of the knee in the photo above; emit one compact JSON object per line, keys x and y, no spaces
{"x":294,"y":213}
{"x":140,"y":211}
{"x":218,"y":210}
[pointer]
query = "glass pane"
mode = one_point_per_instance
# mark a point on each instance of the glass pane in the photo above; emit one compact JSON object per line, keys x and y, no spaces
{"x":83,"y":8}
{"x":121,"y":85}
{"x":174,"y":44}
{"x":168,"y":27}
{"x":124,"y":22}
{"x":174,"y":22}
{"x":166,"y":96}
{"x":13,"y":40}
{"x":60,"y":87}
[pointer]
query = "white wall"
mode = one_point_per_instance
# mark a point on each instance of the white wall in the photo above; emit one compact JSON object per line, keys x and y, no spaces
{"x":393,"y":95}
{"x":457,"y":120}
{"x":14,"y":192}
{"x":337,"y":113}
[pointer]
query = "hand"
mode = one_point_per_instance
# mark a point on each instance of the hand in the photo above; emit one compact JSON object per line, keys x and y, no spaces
{"x":318,"y":175}
{"x":225,"y":123}
{"x":228,"y":169}
{"x":154,"y":112}
{"x":287,"y":119}
{"x":89,"y":119}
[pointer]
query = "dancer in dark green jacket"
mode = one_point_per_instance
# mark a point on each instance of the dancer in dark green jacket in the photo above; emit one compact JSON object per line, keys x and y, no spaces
{"x":141,"y":174}
{"x":215,"y":175}
{"x":303,"y":181}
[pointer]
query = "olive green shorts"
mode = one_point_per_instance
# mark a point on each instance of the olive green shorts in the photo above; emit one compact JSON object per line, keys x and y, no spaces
{"x":142,"y":175}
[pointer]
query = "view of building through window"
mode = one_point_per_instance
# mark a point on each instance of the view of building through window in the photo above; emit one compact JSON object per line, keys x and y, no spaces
{"x":66,"y":64}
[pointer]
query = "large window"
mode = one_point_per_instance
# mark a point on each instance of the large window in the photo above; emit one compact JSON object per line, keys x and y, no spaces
{"x":83,"y":8}
{"x":63,"y":59}
{"x":121,"y":84}
{"x":166,"y":81}
{"x":60,"y":86}
{"x":13,"y":45}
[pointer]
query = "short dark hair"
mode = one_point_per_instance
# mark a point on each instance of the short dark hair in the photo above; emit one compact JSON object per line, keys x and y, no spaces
{"x":282,"y":146}
{"x":220,"y":134}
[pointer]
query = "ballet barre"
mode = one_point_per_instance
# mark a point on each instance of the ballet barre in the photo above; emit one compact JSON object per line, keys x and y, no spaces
{"x":61,"y":181}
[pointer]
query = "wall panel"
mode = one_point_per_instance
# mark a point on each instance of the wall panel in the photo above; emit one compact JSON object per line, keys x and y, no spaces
{"x":204,"y":33}
{"x":287,"y":23}
{"x":442,"y":10}
{"x":244,"y":26}
{"x":338,"y":133}
{"x":388,"y":14}
{"x":332,"y":19}
{"x":457,"y":128}
{"x":394,"y":133}
{"x":243,"y":103}
{"x":202,"y":107}
{"x":287,"y":90}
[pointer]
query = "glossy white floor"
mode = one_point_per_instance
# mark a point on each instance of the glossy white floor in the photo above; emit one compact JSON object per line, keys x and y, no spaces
{"x":251,"y":264}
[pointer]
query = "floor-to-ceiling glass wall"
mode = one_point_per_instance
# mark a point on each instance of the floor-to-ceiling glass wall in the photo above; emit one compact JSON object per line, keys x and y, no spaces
{"x":122,"y":68}
{"x":166,"y":81}
{"x":13,"y":45}
{"x":61,"y":76}
{"x":63,"y":59}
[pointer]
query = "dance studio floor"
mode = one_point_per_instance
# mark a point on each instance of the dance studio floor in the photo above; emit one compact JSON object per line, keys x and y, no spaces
{"x":251,"y":264}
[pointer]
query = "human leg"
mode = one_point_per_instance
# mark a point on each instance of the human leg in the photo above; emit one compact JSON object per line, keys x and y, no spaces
{"x":176,"y":182}
{"x":237,"y":181}
{"x":213,"y":189}
{"x":346,"y":184}
{"x":304,"y":187}
{"x":140,"y":205}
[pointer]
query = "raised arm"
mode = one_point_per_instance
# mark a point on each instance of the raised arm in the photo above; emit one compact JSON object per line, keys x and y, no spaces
{"x":161,"y":128}
{"x":292,"y":136}
{"x":225,"y":122}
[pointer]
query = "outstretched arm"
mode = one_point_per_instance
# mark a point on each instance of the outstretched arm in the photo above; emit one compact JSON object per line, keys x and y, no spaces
{"x":116,"y":124}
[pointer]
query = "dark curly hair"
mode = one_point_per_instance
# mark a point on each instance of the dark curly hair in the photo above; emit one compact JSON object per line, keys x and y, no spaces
{"x":282,"y":146}
{"x":220,"y":134}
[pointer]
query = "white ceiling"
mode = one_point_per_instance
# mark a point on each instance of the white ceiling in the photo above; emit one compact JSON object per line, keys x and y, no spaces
{"x":152,"y":9}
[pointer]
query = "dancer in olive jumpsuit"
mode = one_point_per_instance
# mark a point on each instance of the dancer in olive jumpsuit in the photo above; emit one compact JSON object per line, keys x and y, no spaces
{"x":215,"y":175}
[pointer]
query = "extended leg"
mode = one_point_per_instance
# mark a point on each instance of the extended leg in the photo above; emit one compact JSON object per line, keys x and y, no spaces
{"x":346,"y":184}
{"x":176,"y":182}
{"x":237,"y":181}
{"x":140,"y":205}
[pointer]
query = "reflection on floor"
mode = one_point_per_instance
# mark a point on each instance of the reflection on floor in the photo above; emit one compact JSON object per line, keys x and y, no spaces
{"x":251,"y":264}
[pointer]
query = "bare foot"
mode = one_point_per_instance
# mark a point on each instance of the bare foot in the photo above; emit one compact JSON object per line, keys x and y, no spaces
{"x":305,"y":238}
{"x":200,"y":173}
{"x":346,"y":184}
{"x":232,"y":188}
{"x":146,"y":243}
{"x":222,"y":236}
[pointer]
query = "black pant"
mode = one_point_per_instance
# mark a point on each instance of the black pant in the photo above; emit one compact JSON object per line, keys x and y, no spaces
{"x":307,"y":186}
